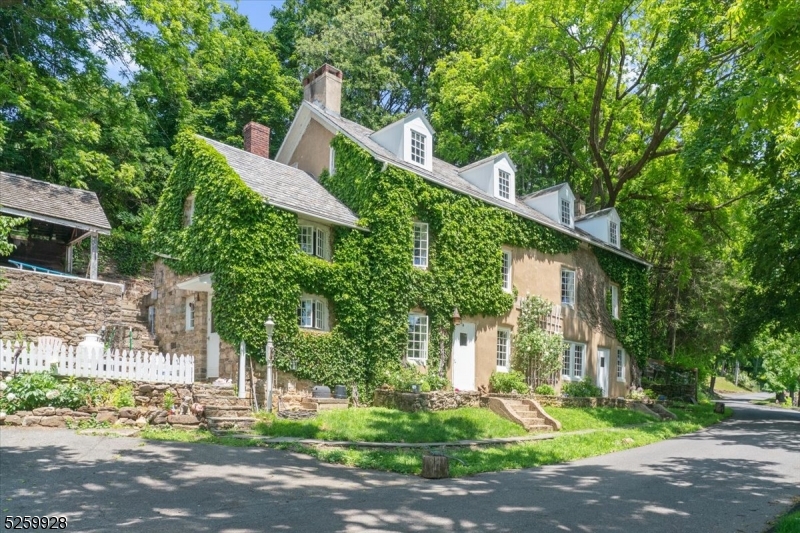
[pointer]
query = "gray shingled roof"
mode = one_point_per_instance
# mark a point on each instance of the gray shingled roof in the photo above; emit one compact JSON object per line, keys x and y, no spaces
{"x":594,"y":214}
{"x":40,"y":200}
{"x":542,"y":192}
{"x":447,"y":175}
{"x":285,"y":187}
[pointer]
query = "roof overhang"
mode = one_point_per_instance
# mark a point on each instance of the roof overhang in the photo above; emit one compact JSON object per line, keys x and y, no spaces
{"x":201,"y":283}
{"x":53,"y":220}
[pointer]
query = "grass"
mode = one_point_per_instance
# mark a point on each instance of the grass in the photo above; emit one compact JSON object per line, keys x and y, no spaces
{"x":377,"y":424}
{"x":723,"y":385}
{"x":788,"y":523}
{"x":525,"y":455}
{"x":615,"y":432}
{"x":574,"y":419}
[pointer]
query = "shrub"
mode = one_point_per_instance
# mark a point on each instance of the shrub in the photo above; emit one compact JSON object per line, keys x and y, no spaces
{"x":403,"y":377}
{"x":506,"y":382}
{"x":582,"y":389}
{"x":28,"y":391}
{"x":169,"y":400}
{"x":545,"y":390}
{"x":122,"y":396}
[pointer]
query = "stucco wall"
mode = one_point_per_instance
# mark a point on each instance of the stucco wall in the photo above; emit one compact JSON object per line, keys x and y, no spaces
{"x":315,"y":160}
{"x":536,"y":273}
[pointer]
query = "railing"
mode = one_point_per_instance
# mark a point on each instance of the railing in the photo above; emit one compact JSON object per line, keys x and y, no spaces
{"x":97,"y":363}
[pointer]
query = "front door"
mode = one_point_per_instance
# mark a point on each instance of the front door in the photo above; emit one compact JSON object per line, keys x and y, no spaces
{"x":603,"y":357}
{"x":212,"y":344}
{"x":464,"y":356}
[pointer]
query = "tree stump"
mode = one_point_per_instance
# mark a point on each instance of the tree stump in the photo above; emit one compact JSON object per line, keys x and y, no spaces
{"x":719,"y":408}
{"x":435,"y":466}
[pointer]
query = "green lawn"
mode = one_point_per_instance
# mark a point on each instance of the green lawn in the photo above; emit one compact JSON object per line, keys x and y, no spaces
{"x":723,"y":385}
{"x":525,"y":455}
{"x":377,"y":424}
{"x":577,"y":418}
{"x":788,"y":523}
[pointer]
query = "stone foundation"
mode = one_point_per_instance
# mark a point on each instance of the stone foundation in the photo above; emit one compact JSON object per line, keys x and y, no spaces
{"x":125,"y":416}
{"x":561,"y":401}
{"x":426,"y":401}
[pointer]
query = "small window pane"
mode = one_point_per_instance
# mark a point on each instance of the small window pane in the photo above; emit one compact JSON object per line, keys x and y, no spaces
{"x":417,"y":348}
{"x":305,"y":313}
{"x":620,"y":364}
{"x":504,"y":184}
{"x":568,"y":287}
{"x":566,"y":212}
{"x":613,"y":233}
{"x":417,"y":147}
{"x":305,"y":238}
{"x":507,"y":271}
{"x":503,"y":345}
{"x":420,"y":245}
{"x":578,"y":361}
{"x":566,"y":361}
{"x":320,"y":241}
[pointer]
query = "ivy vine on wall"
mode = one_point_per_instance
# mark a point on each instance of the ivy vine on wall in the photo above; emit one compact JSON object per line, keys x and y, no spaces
{"x":259,"y":270}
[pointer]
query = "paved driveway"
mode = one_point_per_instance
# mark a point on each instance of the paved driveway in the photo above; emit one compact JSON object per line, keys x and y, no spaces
{"x":730,"y":478}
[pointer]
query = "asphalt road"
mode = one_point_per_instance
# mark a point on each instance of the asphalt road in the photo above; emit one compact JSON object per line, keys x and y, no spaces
{"x":732,"y":477}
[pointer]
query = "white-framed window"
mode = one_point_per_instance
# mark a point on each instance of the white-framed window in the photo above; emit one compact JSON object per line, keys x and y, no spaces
{"x":620,"y":364}
{"x":503,"y":349}
{"x":313,"y":240}
{"x":573,"y":361}
{"x":613,"y":295}
{"x":504,"y":184}
{"x":613,"y":233}
{"x":421,"y":244}
{"x":190,"y":305}
{"x":188,"y":210}
{"x":417,"y":347}
{"x":566,"y":212}
{"x":567,"y":287}
{"x":312,"y":313}
{"x":417,"y":148}
{"x":506,"y":269}
{"x":332,"y":162}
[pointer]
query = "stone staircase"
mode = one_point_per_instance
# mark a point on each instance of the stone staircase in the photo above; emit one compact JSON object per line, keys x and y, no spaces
{"x":524,"y":412}
{"x":222,"y":409}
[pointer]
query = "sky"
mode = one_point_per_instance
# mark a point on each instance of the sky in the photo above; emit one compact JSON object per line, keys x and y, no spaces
{"x":257,"y":11}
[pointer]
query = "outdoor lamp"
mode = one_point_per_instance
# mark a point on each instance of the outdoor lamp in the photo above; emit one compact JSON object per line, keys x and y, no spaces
{"x":456,"y":318}
{"x":270,"y":326}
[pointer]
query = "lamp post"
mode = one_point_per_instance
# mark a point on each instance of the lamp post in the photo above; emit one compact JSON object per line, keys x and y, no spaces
{"x":270,"y":327}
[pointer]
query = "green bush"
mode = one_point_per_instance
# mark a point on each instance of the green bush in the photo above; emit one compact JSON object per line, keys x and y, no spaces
{"x":403,"y":377}
{"x":582,"y":389}
{"x":28,"y":391}
{"x":169,"y":400}
{"x":122,"y":396}
{"x":506,"y":382}
{"x":545,"y":390}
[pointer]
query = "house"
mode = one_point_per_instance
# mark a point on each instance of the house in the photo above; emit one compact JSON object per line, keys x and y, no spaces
{"x":388,"y":243}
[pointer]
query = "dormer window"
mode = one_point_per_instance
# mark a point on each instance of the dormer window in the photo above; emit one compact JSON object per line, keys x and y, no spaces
{"x":417,"y":148}
{"x":613,"y":233}
{"x":566,"y":212}
{"x":504,"y":184}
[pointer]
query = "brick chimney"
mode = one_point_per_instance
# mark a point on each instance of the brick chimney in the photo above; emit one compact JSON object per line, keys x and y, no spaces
{"x":580,"y":208}
{"x":324,"y":86}
{"x":256,"y":139}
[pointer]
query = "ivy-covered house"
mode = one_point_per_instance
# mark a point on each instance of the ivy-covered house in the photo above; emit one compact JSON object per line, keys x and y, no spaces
{"x":412,"y":240}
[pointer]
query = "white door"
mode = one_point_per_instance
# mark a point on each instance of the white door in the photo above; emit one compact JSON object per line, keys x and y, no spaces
{"x":464,"y":356}
{"x":212,"y":344}
{"x":603,"y":358}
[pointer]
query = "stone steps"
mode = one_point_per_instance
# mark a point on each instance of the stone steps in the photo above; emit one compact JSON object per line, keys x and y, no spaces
{"x":206,"y":400}
{"x":226,"y":411}
{"x":225,"y":423}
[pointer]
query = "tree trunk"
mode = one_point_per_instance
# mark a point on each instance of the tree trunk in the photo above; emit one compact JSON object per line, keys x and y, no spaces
{"x":435,"y":467}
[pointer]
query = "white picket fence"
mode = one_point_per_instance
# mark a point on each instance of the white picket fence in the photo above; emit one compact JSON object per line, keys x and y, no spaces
{"x":129,"y":365}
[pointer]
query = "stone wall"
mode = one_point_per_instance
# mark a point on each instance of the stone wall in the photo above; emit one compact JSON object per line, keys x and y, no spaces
{"x":561,"y":401}
{"x":35,"y":304}
{"x":125,"y":416}
{"x":425,"y":401}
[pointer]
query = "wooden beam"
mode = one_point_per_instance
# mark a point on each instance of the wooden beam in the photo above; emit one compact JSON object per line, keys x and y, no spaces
{"x":93,"y":259}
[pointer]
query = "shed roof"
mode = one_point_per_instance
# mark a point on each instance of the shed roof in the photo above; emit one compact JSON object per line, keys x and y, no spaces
{"x":447,"y":175}
{"x":285,"y":187}
{"x":57,"y":204}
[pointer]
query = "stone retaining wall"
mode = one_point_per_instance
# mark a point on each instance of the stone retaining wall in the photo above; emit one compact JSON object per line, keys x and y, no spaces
{"x":426,"y":401}
{"x":561,"y":401}
{"x":125,"y":416}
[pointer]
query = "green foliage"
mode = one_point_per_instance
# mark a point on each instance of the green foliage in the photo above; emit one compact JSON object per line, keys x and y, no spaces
{"x":632,"y":327}
{"x":536,"y":352}
{"x":579,"y":418}
{"x":545,"y":390}
{"x":371,"y":284}
{"x":507,"y":382}
{"x":169,"y":400}
{"x":582,"y":389}
{"x":6,"y":225}
{"x":122,"y":396}
{"x":28,"y":391}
